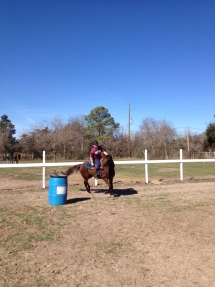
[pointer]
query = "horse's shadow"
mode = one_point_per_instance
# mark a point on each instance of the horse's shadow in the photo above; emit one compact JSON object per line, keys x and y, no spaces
{"x":118,"y":192}
{"x":75,"y":200}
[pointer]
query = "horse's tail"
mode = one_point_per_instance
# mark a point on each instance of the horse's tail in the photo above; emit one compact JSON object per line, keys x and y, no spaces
{"x":71,"y":169}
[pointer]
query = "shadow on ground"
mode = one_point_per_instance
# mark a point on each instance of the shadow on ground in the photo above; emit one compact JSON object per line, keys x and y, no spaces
{"x":117,"y":192}
{"x":75,"y":200}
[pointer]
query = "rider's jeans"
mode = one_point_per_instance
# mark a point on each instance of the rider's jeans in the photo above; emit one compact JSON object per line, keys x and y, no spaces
{"x":97,"y":164}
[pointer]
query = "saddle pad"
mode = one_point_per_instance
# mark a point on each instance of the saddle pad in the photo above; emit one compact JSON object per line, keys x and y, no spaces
{"x":88,"y":165}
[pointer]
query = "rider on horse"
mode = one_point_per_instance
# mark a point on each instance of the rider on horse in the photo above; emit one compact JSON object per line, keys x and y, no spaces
{"x":96,"y":155}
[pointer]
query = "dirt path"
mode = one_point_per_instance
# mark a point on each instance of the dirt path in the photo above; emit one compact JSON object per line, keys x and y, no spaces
{"x":149,"y":235}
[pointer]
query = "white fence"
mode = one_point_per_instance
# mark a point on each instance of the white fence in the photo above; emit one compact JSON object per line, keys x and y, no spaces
{"x":145,"y":162}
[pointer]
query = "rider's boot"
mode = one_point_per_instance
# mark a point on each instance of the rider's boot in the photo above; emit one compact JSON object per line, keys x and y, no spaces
{"x":97,"y":176}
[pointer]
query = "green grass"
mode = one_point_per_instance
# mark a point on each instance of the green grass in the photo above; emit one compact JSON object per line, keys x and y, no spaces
{"x":134,"y":172}
{"x":199,"y":169}
{"x":166,"y":171}
{"x":108,"y":248}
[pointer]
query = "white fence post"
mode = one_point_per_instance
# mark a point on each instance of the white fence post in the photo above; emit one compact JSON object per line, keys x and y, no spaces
{"x":44,"y":170}
{"x":146,"y":168}
{"x":181,"y":165}
{"x":96,"y":182}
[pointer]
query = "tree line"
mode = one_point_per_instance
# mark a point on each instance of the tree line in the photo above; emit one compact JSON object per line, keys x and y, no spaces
{"x":72,"y":140}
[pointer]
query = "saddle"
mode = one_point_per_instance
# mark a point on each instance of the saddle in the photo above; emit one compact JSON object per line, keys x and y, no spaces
{"x":98,"y":175}
{"x":89,"y":165}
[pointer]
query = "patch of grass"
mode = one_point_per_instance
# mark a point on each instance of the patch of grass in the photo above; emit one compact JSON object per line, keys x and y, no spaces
{"x":129,"y":170}
{"x":26,"y":245}
{"x":108,"y":249}
{"x":112,"y":248}
{"x":167,"y":171}
{"x":34,"y":219}
{"x":132,"y":200}
{"x":134,"y":173}
{"x":188,"y":205}
{"x":63,"y":212}
{"x":29,"y":226}
{"x":4,"y":209}
{"x":6,"y":220}
{"x":31,"y":173}
{"x":199,"y":169}
{"x":203,"y":204}
{"x":139,"y":203}
{"x":177,"y":208}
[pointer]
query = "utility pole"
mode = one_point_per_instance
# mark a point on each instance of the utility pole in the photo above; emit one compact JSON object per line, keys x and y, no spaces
{"x":129,"y":135}
{"x":188,"y":141}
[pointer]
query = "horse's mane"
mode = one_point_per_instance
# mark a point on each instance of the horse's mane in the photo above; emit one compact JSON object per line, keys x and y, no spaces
{"x":108,"y":164}
{"x":107,"y":161}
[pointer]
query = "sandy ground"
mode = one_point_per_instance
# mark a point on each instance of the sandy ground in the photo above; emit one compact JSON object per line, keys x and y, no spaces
{"x":148,"y":235}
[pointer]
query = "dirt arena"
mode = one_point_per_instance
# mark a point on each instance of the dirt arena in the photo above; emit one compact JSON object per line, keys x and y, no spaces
{"x":155,"y":235}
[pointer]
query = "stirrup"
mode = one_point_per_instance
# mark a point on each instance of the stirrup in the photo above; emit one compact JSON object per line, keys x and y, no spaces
{"x":97,"y":176}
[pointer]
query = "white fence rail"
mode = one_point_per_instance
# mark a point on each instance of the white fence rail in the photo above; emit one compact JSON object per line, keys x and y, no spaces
{"x":146,"y":162}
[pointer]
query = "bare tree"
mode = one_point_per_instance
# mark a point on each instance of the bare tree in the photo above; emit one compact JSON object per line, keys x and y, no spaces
{"x":156,"y":136}
{"x":53,"y":137}
{"x":46,"y":137}
{"x":28,"y":144}
{"x":149,"y":134}
{"x":76,"y":136}
{"x":167,"y":136}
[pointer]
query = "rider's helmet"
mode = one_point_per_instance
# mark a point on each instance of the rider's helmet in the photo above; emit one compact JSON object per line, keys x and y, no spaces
{"x":95,"y":143}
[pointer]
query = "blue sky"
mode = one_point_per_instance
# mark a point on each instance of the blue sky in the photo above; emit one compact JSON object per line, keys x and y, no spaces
{"x":64,"y":58}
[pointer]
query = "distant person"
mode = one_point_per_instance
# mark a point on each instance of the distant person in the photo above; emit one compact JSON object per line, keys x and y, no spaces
{"x":11,"y":157}
{"x":96,"y":155}
{"x":8,"y":157}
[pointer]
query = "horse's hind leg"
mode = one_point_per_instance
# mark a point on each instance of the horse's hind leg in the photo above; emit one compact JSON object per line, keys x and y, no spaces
{"x":86,"y":183}
{"x":107,"y":182}
{"x":111,"y":190}
{"x":110,"y":184}
{"x":111,"y":187}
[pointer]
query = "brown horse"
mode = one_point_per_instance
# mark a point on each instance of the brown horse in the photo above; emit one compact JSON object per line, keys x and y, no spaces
{"x":106,"y":172}
{"x":16,"y":157}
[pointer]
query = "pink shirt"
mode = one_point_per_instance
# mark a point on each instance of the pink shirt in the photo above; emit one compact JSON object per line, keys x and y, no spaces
{"x":96,"y":152}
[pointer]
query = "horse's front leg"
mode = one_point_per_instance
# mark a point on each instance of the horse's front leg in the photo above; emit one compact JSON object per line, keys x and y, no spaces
{"x":86,"y":183}
{"x":109,"y":182}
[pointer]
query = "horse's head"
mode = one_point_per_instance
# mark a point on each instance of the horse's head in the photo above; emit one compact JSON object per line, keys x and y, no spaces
{"x":107,"y":167}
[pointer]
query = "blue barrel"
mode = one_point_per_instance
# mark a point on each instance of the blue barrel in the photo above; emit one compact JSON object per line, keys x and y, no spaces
{"x":57,"y":189}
